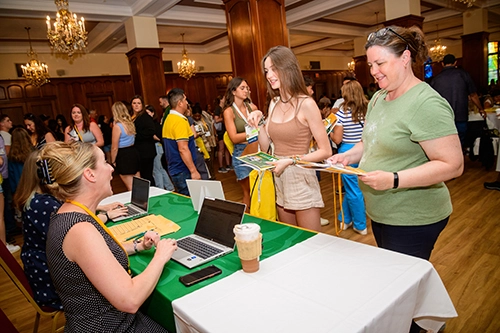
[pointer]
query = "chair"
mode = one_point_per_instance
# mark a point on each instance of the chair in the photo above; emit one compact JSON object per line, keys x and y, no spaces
{"x":6,"y":324}
{"x":16,"y":274}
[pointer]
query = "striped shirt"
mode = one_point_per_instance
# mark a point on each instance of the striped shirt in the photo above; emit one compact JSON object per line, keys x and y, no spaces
{"x":352,"y":130}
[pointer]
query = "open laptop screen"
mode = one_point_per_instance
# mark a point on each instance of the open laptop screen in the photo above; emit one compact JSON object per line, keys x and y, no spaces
{"x":217,"y":219}
{"x":140,"y":193}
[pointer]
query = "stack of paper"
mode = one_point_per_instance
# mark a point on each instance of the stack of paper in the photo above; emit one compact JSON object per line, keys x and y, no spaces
{"x":129,"y":230}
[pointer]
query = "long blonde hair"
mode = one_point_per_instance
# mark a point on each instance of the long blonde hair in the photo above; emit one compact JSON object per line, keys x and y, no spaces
{"x":121,"y":115}
{"x":354,"y":100}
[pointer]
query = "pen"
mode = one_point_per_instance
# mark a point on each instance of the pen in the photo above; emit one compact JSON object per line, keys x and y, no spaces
{"x":139,"y":235}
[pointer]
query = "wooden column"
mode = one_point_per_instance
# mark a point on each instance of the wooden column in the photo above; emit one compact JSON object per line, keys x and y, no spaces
{"x":146,"y":70}
{"x":254,"y":26}
{"x":475,"y":57}
{"x":409,"y":21}
{"x":363,"y":71}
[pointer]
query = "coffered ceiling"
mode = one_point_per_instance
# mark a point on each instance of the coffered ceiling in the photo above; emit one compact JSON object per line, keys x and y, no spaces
{"x":317,"y":27}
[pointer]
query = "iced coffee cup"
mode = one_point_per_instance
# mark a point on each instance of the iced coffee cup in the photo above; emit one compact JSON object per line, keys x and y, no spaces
{"x":249,"y":243}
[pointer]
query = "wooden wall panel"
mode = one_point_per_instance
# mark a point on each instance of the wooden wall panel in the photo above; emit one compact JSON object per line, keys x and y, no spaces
{"x":15,"y":111}
{"x":56,"y":97}
{"x":15,"y":91}
{"x":18,"y":98}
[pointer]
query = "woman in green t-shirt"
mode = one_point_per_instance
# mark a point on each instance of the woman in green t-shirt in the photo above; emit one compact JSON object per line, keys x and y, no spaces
{"x":409,"y":147}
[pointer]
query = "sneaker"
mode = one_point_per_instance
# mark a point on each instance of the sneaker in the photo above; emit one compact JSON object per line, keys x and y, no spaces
{"x":361,"y":232}
{"x":324,"y":221}
{"x":492,"y":186}
{"x":13,"y":248}
{"x":347,"y":226}
{"x":230,"y":168}
{"x":222,"y":170}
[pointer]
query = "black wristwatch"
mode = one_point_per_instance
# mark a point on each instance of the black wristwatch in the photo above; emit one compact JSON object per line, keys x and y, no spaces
{"x":396,"y":180}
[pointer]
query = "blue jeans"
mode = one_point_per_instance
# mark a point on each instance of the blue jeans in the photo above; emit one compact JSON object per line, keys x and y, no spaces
{"x":241,"y":170}
{"x":180,"y":184}
{"x":417,"y":241}
{"x":354,"y":202}
{"x":159,"y":174}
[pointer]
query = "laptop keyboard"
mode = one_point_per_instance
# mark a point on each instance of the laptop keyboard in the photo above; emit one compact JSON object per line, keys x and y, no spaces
{"x":198,"y":248}
{"x":132,"y":211}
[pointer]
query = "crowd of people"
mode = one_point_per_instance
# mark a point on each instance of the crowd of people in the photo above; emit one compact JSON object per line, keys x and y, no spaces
{"x":406,"y":136}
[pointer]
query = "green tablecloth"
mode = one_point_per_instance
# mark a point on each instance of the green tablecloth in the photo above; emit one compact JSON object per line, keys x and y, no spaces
{"x":276,"y":238}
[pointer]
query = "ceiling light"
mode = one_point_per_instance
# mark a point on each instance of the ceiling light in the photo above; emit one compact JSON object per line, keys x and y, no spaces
{"x":35,"y":72}
{"x":186,"y":66}
{"x":69,"y":33}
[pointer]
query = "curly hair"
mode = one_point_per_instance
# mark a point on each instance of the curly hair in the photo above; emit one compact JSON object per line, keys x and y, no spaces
{"x":399,"y":39}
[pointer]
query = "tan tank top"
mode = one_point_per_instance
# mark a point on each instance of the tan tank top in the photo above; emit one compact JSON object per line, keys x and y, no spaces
{"x":290,"y":138}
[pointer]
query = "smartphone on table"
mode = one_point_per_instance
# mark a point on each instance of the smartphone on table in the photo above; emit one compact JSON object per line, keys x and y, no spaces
{"x":200,"y":275}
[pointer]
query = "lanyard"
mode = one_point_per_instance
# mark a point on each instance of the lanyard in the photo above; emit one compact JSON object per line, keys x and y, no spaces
{"x":239,"y":112}
{"x":76,"y":203}
{"x":78,"y":133}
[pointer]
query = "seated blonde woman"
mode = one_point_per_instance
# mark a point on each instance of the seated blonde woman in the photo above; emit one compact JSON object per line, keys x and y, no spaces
{"x":89,"y":267}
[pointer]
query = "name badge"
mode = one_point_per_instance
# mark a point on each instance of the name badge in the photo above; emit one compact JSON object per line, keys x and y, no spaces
{"x":252,"y":133}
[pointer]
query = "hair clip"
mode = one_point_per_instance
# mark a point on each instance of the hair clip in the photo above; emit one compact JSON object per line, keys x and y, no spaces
{"x":45,"y":172}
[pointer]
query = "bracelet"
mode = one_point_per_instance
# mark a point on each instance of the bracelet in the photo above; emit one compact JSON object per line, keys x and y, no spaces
{"x":107,"y":216}
{"x":396,"y":180}
{"x":295,"y":159}
{"x":135,"y":246}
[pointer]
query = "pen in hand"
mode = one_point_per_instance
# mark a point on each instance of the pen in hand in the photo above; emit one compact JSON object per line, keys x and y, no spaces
{"x":137,"y":236}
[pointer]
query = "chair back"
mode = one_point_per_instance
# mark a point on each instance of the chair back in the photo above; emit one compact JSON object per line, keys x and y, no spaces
{"x":15,"y":272}
{"x":6,"y":324}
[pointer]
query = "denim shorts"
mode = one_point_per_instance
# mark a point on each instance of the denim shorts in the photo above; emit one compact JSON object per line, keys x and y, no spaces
{"x":240,"y":169}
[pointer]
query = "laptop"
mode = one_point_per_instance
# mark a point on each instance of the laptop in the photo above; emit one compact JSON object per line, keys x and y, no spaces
{"x":199,"y":189}
{"x":139,"y":200}
{"x":213,"y":236}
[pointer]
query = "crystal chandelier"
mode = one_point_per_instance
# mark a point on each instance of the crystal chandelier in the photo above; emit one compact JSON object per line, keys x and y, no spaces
{"x":438,"y":50}
{"x":69,"y":34}
{"x":469,"y":3}
{"x":35,"y":72}
{"x":351,"y":66}
{"x":186,"y":67}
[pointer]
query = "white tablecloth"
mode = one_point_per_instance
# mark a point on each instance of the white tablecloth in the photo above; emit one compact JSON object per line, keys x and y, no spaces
{"x":324,"y":284}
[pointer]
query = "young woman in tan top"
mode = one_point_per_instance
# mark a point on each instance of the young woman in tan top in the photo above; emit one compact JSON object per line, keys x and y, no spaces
{"x":294,"y":119}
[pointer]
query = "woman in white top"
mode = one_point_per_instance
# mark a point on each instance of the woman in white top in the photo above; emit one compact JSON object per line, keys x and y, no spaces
{"x":80,"y":127}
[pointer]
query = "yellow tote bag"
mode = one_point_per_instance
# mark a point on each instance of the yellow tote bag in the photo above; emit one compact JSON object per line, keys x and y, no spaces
{"x":263,"y":195}
{"x":229,"y":143}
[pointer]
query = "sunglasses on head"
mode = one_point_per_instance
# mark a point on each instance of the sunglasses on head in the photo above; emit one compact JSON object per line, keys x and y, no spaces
{"x":383,"y":32}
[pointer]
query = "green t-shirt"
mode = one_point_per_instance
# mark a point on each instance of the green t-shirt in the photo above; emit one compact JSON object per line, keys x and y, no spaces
{"x":391,"y":139}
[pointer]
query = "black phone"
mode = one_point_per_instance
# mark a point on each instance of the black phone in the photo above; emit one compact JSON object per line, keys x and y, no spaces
{"x":200,"y":275}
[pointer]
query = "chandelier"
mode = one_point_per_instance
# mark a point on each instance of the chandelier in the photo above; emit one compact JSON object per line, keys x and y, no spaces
{"x":438,"y":50}
{"x":186,"y":67}
{"x":35,"y":72}
{"x":469,"y":3}
{"x":351,"y":66}
{"x":69,"y":34}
